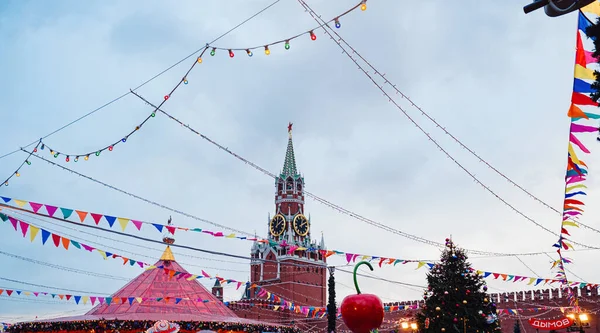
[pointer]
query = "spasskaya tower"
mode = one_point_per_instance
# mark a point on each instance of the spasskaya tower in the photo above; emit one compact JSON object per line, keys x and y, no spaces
{"x":291,"y":266}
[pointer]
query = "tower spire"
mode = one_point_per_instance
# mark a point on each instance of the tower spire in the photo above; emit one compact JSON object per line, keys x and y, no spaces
{"x":289,"y":165}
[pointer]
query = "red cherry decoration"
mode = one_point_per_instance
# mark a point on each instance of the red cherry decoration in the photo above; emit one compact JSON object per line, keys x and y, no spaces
{"x":362,"y":313}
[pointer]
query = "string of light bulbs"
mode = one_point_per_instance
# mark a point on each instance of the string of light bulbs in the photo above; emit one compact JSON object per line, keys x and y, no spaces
{"x":437,"y":144}
{"x":336,"y":207}
{"x":149,"y":80}
{"x":17,"y":172}
{"x":68,"y":156}
{"x":339,"y":39}
{"x":286,"y":41}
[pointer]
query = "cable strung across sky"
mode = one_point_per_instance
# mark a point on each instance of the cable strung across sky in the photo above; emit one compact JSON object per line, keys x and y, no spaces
{"x":448,"y":155}
{"x":147,"y":81}
{"x":341,"y":209}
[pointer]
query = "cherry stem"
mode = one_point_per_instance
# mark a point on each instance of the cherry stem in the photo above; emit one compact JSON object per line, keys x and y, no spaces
{"x":356,"y":269}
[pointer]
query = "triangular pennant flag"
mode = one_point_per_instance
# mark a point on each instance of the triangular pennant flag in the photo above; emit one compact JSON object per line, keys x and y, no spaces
{"x":82,"y":215}
{"x":51,"y":209}
{"x":584,"y":73}
{"x":56,"y":239}
{"x":66,"y":212}
{"x":77,"y":299}
{"x":110,"y":220}
{"x":581,"y":99}
{"x":35,"y":206}
{"x":5,"y":199}
{"x":65,"y":243}
{"x":14,"y":222}
{"x":123,"y":222}
{"x":576,"y":112}
{"x":137,"y":224}
{"x":96,"y":217}
{"x":45,"y":235}
{"x":20,"y":203}
{"x":24,"y":226}
{"x":33,"y":231}
{"x":158,"y":226}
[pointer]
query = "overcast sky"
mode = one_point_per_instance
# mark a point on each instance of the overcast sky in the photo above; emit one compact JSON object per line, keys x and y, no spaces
{"x":496,"y":78}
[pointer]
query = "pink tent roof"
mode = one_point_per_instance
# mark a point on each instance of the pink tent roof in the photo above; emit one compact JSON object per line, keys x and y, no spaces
{"x":156,"y":283}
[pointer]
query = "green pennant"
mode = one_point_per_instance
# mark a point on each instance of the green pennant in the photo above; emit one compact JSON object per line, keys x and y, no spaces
{"x":3,"y":217}
{"x":66,"y":212}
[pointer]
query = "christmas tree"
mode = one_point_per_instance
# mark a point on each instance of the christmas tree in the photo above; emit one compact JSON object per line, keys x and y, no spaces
{"x":456,"y":299}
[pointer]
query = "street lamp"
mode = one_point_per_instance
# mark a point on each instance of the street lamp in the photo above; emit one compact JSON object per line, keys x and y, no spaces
{"x":580,"y":320}
{"x":409,"y":325}
{"x":554,"y":8}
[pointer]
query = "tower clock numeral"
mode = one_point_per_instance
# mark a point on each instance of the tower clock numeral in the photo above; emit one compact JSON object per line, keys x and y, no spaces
{"x":277,"y":225}
{"x":301,"y":226}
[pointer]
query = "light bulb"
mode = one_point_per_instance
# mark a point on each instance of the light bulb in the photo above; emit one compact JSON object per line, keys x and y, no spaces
{"x":76,"y":159}
{"x":35,"y":150}
{"x":267,"y":51}
{"x":110,"y":148}
{"x":28,"y":163}
{"x":67,"y":159}
{"x":249,"y":52}
{"x":287,"y":45}
{"x":17,"y":174}
{"x":124,"y":140}
{"x":231,"y":54}
{"x":6,"y":183}
{"x":199,"y":60}
{"x":56,"y":155}
{"x":153,"y":114}
{"x":312,"y":35}
{"x":212,"y":52}
{"x":43,"y":146}
{"x":185,"y":81}
{"x":87,"y":157}
{"x":98,"y":153}
{"x":51,"y":152}
{"x":166,"y":97}
{"x":363,"y":6}
{"x":337,"y":23}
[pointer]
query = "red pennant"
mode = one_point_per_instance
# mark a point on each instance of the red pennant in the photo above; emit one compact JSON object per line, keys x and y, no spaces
{"x":96,"y":217}
{"x":581,"y":99}
{"x":56,"y":239}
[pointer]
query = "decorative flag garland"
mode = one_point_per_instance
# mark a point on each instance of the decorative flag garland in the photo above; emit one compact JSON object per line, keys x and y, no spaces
{"x":184,"y":80}
{"x":577,"y":170}
{"x":67,"y":243}
{"x":84,"y":217}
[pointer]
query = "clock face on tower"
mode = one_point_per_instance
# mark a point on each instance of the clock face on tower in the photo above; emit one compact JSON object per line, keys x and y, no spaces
{"x":301,"y":225}
{"x":277,"y":225}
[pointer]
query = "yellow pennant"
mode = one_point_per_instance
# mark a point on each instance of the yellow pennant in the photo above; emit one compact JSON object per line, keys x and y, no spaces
{"x":193,"y":277}
{"x":593,"y":8}
{"x":571,"y":188}
{"x":531,"y":280}
{"x":230,"y":236}
{"x":584,"y":73}
{"x":123,"y":222}
{"x":102,"y":253}
{"x":20,"y":203}
{"x":138,"y":299}
{"x":33,"y":231}
{"x":573,"y":155}
{"x":85,"y":299}
{"x":421,"y":264}
{"x":570,"y":223}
